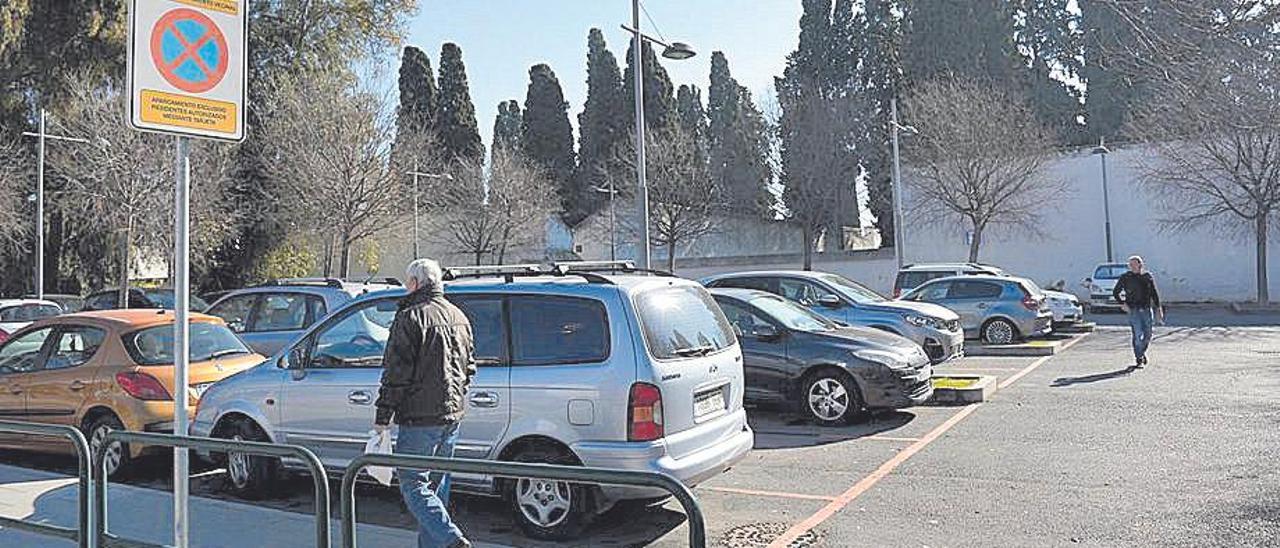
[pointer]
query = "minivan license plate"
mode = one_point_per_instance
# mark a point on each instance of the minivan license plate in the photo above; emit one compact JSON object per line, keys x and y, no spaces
{"x":708,"y":402}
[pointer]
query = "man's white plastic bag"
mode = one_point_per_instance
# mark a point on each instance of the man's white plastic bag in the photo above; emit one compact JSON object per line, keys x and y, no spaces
{"x":379,"y":443}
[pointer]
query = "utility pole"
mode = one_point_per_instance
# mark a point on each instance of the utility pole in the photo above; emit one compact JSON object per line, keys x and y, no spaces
{"x":41,"y":136}
{"x":415,"y":173}
{"x":897,"y":184}
{"x":1102,"y":150}
{"x":181,"y":332}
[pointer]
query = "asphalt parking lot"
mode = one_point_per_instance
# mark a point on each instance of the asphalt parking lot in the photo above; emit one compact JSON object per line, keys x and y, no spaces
{"x":1072,"y":450}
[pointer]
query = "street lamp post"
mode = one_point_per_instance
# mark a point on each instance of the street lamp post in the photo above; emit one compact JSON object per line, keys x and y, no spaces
{"x":415,"y":173}
{"x":1102,"y":150}
{"x":674,"y":50}
{"x":41,"y":136}
{"x":898,"y":227}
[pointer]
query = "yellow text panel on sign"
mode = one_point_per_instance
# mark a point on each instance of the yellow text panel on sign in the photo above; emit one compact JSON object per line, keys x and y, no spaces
{"x":189,"y":112}
{"x":225,"y":6}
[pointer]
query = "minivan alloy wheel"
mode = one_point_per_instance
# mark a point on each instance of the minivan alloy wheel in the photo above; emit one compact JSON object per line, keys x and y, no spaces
{"x":828,"y":399}
{"x":544,"y":502}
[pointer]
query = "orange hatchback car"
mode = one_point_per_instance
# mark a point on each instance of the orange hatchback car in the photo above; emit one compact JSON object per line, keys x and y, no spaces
{"x":109,"y":369}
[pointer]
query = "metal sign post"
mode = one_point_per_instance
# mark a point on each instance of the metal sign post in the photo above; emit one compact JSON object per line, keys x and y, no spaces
{"x":187,"y":75}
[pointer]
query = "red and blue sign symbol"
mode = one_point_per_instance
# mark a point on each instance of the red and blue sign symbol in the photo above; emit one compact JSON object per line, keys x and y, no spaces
{"x":189,"y":50}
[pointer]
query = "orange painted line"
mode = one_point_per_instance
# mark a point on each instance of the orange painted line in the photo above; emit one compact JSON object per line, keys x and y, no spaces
{"x":868,"y":482}
{"x":891,"y":438}
{"x":780,"y":494}
{"x":1035,"y":364}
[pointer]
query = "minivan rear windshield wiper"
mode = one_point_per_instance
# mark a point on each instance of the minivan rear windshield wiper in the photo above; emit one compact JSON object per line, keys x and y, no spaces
{"x":695,"y":351}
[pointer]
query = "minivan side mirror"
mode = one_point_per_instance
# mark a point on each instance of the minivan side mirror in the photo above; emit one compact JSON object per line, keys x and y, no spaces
{"x":830,"y":301}
{"x":295,"y":358}
{"x":766,"y":332}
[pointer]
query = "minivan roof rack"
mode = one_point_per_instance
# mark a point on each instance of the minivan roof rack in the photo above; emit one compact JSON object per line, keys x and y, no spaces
{"x":324,"y":282}
{"x":626,"y":267}
{"x":511,"y":272}
{"x":388,"y":280}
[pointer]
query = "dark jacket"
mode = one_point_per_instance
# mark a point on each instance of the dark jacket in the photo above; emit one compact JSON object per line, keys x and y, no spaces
{"x":428,"y":363}
{"x":1139,"y":290}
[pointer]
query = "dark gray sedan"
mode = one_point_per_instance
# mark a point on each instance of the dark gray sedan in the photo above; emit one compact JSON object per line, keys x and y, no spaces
{"x":830,"y":372}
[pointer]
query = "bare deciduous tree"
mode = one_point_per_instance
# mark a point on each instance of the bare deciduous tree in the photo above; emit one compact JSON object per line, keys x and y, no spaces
{"x":685,"y":201}
{"x":979,"y":159}
{"x":121,"y":181}
{"x":15,"y":179}
{"x":329,"y":149}
{"x":1216,"y":143}
{"x":492,"y":213}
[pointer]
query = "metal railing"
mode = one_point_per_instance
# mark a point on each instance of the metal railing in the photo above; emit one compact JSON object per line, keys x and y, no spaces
{"x":576,"y":474}
{"x":72,"y":434}
{"x":318,"y":474}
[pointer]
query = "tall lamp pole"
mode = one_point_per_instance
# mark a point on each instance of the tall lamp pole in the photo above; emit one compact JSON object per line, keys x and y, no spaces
{"x":1102,"y":150}
{"x":674,"y":50}
{"x":41,"y":136}
{"x":415,"y":173}
{"x":613,"y":244}
{"x":898,"y":227}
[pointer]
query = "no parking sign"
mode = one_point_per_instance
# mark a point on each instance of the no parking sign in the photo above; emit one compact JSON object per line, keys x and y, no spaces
{"x":187,"y":67}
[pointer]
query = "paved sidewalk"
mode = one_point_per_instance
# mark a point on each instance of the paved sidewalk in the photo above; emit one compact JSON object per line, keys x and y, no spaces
{"x":147,"y":515}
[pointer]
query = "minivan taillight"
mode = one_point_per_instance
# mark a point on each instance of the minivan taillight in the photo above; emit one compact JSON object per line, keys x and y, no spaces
{"x":142,"y":386}
{"x":4,"y":335}
{"x":644,"y":413}
{"x":1031,"y":303}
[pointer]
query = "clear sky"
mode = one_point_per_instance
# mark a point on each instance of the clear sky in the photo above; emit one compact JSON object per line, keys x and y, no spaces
{"x":501,"y":39}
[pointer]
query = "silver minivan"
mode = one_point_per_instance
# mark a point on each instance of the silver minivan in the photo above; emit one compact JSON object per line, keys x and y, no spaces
{"x":615,"y":371}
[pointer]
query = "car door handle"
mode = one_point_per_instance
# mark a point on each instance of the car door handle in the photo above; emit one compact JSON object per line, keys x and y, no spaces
{"x":484,"y":399}
{"x":982,"y":305}
{"x":360,"y":397}
{"x":76,"y":385}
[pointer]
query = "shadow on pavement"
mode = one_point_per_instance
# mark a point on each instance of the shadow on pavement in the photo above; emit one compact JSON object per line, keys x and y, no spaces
{"x":774,"y":431}
{"x":1069,"y":381}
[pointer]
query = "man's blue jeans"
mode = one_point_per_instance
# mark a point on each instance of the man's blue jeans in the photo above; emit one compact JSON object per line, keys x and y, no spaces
{"x":427,"y":503}
{"x":1141,"y":320}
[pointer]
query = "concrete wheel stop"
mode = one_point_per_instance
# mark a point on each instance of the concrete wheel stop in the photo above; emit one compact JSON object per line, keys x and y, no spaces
{"x":959,"y":389}
{"x":1047,"y":346}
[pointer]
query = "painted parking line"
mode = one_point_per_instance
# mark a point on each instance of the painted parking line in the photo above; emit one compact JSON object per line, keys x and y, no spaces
{"x":891,"y":438}
{"x":892,"y":464}
{"x":758,"y":493}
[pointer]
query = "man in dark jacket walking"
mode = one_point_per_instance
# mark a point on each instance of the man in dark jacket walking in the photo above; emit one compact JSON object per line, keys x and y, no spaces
{"x":1136,"y":290}
{"x":427,"y":367}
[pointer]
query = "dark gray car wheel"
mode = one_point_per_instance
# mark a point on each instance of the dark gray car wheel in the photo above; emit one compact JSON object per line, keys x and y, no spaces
{"x":999,"y":331}
{"x":248,"y":476}
{"x":830,"y":397}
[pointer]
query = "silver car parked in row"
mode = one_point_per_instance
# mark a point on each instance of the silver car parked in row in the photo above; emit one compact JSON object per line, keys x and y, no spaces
{"x":996,"y":309}
{"x":614,"y":371}
{"x":934,"y":328}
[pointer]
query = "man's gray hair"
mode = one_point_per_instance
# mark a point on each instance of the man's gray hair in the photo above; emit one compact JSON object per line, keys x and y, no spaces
{"x":426,"y":273}
{"x":1137,"y":258}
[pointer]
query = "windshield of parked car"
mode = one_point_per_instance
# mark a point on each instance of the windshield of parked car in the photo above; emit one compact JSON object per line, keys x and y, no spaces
{"x":208,"y":341}
{"x":792,"y":315}
{"x":1109,"y":272}
{"x":852,"y":290}
{"x":682,"y":321}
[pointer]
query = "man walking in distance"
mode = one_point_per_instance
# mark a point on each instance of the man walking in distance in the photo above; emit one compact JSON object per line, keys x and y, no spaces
{"x":1136,"y":291}
{"x":427,"y":367}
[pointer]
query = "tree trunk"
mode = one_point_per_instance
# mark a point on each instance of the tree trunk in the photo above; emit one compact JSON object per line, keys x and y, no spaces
{"x":1264,"y":295}
{"x":328,"y":256}
{"x":344,"y":264}
{"x":976,"y":243}
{"x":122,"y":295}
{"x":808,"y":247}
{"x":671,"y":256}
{"x":479,"y":254}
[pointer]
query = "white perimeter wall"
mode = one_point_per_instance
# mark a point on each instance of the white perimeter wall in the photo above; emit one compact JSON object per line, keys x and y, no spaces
{"x":1201,"y":265}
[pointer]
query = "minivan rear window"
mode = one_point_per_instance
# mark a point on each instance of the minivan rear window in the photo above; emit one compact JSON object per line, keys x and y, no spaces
{"x":682,"y":321}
